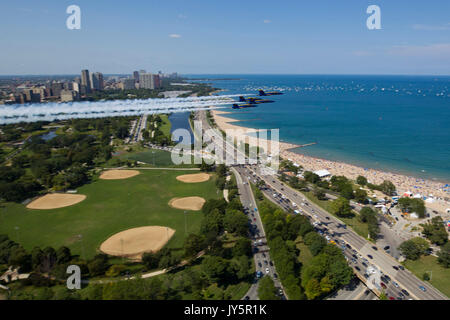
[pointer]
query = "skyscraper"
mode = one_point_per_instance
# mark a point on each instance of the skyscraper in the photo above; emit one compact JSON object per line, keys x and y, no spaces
{"x":149,"y":81}
{"x":96,"y":80}
{"x":136,"y":76}
{"x":85,"y":81}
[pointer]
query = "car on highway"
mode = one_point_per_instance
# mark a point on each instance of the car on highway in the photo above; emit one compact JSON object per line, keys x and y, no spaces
{"x":265,"y":262}
{"x":364,"y":264}
{"x":357,"y":268}
{"x":259,"y":264}
{"x":247,"y":298}
{"x":271,"y":263}
{"x":280,"y":292}
{"x":406,"y":293}
{"x":383,"y":285}
{"x":328,"y":218}
{"x":259,"y":274}
{"x":354,"y":260}
{"x":395,"y":267}
{"x":275,"y":275}
{"x":370,"y":256}
{"x":263,"y":254}
{"x":391,"y":298}
{"x":423,"y":288}
{"x":267,"y":270}
{"x":254,"y":219}
{"x":401,"y":267}
{"x":374,"y":248}
{"x":395,"y":284}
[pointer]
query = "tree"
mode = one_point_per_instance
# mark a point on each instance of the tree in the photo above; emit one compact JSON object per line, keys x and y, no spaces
{"x":341,"y":207}
{"x":315,"y":242}
{"x":215,"y":268}
{"x":387,"y":187}
{"x":242,"y":247}
{"x":98,"y":265}
{"x":414,"y":248}
{"x":267,"y":290}
{"x":236,"y":222}
{"x":63,"y":255}
{"x":360,"y":196}
{"x":319,"y":193}
{"x":435,"y":231}
{"x":361,"y":180}
{"x":311,"y":177}
{"x":151,"y":260}
{"x":444,"y":255}
{"x":412,"y":205}
{"x":193,"y":244}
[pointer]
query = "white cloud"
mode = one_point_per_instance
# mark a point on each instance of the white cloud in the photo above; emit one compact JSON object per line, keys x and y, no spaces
{"x":438,"y":49}
{"x":267,"y":21}
{"x":425,"y":27}
{"x":174,"y":35}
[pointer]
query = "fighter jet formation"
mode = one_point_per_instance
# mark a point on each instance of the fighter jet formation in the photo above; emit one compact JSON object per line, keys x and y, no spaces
{"x":252,"y":102}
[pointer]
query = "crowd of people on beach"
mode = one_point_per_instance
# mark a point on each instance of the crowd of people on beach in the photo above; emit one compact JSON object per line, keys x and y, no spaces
{"x":437,"y":192}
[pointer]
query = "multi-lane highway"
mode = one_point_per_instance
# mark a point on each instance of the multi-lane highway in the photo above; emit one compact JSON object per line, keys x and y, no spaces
{"x":383,"y":265}
{"x":401,"y":279}
{"x":261,"y":255}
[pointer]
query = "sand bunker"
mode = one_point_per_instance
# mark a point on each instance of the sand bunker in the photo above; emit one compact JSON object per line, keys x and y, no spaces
{"x":188,"y":203}
{"x":132,"y":243}
{"x":194,"y":178}
{"x":56,"y":200}
{"x":118,"y":174}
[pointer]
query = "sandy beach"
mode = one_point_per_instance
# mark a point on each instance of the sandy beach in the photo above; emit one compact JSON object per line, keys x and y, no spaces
{"x":403,"y":183}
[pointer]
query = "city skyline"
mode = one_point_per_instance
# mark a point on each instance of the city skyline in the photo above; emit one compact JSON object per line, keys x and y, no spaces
{"x":231,"y":38}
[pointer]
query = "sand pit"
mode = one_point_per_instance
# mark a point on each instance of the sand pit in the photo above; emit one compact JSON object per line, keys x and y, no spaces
{"x":118,"y":174}
{"x":132,"y":243}
{"x":188,"y":203}
{"x":55,"y":201}
{"x":194,"y":178}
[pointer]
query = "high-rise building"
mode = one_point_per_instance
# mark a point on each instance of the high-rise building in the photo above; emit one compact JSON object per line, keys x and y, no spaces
{"x":56,"y":89}
{"x":136,"y":76}
{"x":86,"y":80}
{"x":128,"y":84}
{"x":96,"y":80}
{"x":68,"y":95}
{"x":149,"y":81}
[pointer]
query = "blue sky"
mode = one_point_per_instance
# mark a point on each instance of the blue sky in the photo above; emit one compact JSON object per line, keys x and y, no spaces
{"x":246,"y":36}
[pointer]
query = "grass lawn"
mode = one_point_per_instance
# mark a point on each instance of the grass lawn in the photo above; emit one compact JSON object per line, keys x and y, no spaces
{"x":440,"y":276}
{"x":305,"y":255}
{"x":165,"y":125}
{"x":111,"y":206}
{"x":160,"y":158}
{"x":359,"y":227}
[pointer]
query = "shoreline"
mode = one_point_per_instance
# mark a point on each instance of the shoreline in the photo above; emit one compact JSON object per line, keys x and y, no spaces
{"x":403,"y":183}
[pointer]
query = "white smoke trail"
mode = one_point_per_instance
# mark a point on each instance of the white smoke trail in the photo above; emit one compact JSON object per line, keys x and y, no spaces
{"x":100,"y":109}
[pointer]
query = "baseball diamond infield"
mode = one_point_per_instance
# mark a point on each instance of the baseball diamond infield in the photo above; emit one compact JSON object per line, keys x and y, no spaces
{"x":187,"y":203}
{"x":117,"y":174}
{"x":194,"y":178}
{"x":55,"y":201}
{"x":132,"y":243}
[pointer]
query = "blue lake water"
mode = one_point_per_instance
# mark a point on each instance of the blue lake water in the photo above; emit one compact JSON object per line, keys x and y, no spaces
{"x":395,"y":123}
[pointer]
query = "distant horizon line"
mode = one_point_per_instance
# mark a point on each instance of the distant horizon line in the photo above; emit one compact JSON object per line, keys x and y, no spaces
{"x":236,"y":74}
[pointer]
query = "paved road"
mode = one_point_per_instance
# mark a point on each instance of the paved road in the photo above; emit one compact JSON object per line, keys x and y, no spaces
{"x":356,"y":290}
{"x":261,"y":253}
{"x":380,"y":260}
